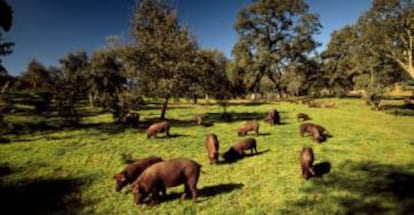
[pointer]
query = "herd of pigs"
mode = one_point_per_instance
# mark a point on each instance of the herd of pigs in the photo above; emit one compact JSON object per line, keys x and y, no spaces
{"x":152,"y":175}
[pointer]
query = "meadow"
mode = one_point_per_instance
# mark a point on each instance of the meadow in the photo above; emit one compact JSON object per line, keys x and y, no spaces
{"x":46,"y":169}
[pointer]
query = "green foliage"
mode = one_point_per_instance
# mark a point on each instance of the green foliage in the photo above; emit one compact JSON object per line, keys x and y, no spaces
{"x":40,"y":78}
{"x":212,"y":77}
{"x":339,"y":60}
{"x":167,"y":48}
{"x":274,"y":36}
{"x":71,"y":86}
{"x":370,"y":155}
{"x":370,"y":54}
{"x":165,"y":54}
{"x":389,"y":28}
{"x":6,"y":17}
{"x":107,"y":79}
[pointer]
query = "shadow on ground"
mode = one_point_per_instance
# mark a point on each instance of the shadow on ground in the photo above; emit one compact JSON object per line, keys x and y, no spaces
{"x":207,"y":191}
{"x":399,"y":110}
{"x":371,"y":188}
{"x":42,"y":196}
{"x":235,"y":116}
{"x":233,"y":157}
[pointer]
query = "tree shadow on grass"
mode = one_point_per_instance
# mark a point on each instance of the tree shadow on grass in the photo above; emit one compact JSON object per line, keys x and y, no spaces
{"x":234,"y":116}
{"x":50,"y":128}
{"x":43,"y":196}
{"x":399,"y":110}
{"x":238,"y":117}
{"x":244,"y":103}
{"x":371,"y":188}
{"x":5,"y":170}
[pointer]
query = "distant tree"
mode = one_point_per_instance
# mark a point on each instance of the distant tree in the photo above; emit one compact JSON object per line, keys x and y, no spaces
{"x":6,"y":17}
{"x":339,"y":60}
{"x":212,"y":80}
{"x":389,"y":25}
{"x":166,"y":50}
{"x":240,"y":69}
{"x":72,"y":86}
{"x":369,"y":54}
{"x":38,"y":76}
{"x":107,"y":79}
{"x":386,"y":43}
{"x":273,"y":36}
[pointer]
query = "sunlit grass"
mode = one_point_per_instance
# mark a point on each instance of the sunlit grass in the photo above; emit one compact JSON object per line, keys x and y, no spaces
{"x":365,"y":144}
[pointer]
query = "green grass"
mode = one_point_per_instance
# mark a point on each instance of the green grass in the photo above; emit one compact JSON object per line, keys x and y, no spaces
{"x":70,"y":170}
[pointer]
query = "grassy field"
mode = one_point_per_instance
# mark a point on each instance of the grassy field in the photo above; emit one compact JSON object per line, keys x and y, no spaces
{"x":45,"y":169}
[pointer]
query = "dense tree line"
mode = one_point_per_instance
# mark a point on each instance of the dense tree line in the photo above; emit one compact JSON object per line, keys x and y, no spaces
{"x":275,"y":54}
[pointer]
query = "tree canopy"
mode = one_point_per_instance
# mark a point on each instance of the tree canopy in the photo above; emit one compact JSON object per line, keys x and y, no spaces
{"x":274,"y":35}
{"x":165,"y":51}
{"x":6,"y":16}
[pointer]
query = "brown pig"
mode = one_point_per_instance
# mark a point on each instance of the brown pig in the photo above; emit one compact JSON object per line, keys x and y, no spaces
{"x":316,"y":131}
{"x":131,"y":119}
{"x":329,"y":105}
{"x":248,"y":126}
{"x":132,"y":171}
{"x":273,"y":117}
{"x":158,"y":127}
{"x":306,"y":162}
{"x":314,"y":104}
{"x":169,"y":173}
{"x":212,"y":146}
{"x":237,"y":150}
{"x":302,"y":117}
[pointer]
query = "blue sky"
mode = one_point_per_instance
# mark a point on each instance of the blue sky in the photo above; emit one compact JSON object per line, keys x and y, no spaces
{"x":47,"y":30}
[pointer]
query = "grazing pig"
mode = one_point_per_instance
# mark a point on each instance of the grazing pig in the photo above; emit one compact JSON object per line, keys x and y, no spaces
{"x":302,"y":117}
{"x":132,"y":171}
{"x":169,"y":173}
{"x":131,"y":119}
{"x":212,"y":146}
{"x":316,"y":131}
{"x":237,"y":150}
{"x":329,"y":105}
{"x":158,"y":127}
{"x":314,"y":104}
{"x":231,"y":155}
{"x":248,"y":126}
{"x":273,"y":117}
{"x":306,"y":162}
{"x":245,"y":144}
{"x":199,"y":119}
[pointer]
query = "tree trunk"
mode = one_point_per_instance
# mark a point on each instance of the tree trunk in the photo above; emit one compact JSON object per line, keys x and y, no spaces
{"x":3,"y":90}
{"x":164,"y":107}
{"x":407,"y":66}
{"x":207,"y":98}
{"x":253,"y":96}
{"x":91,"y":100}
{"x":194,"y":99}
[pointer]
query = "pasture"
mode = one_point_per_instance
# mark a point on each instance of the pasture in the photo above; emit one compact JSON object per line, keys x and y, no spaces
{"x":47,"y":169}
